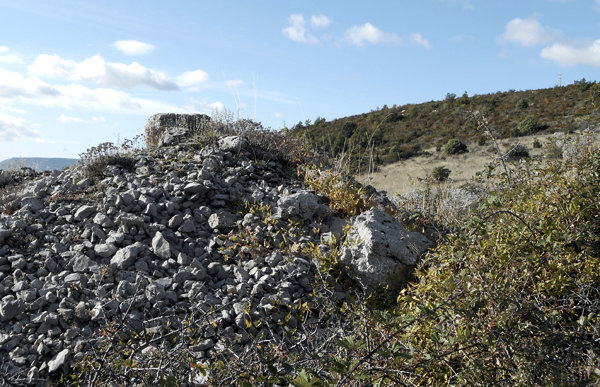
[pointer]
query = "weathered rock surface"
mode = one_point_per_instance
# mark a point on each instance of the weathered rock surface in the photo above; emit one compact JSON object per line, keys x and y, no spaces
{"x":379,"y":250}
{"x":169,"y":128}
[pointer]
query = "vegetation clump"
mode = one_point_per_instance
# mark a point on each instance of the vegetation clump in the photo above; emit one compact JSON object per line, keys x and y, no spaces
{"x":455,"y":146}
{"x":529,"y":125}
{"x":440,"y":174}
{"x":517,"y":152}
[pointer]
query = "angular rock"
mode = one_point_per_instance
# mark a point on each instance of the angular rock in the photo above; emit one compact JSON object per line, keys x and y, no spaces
{"x":233,"y":143}
{"x":303,"y":204}
{"x":379,"y":250}
{"x":221,"y":220}
{"x":10,"y":308}
{"x":59,"y":360}
{"x":126,"y":256}
{"x":84,"y":212}
{"x":160,"y":246}
{"x":4,"y":235}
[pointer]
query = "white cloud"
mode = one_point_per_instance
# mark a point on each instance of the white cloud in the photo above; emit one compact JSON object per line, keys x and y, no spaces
{"x":572,"y":55}
{"x":14,"y":85}
{"x":320,"y":20}
{"x":14,"y":128}
{"x":529,"y":32}
{"x":296,"y":30}
{"x":192,"y":78}
{"x":98,"y":119}
{"x":68,"y":120}
{"x":14,"y":88}
{"x":10,"y":59}
{"x":420,"y":40}
{"x":96,"y":69}
{"x":216,"y":106}
{"x":278,"y":115}
{"x":368,"y":33}
{"x":133,"y":47}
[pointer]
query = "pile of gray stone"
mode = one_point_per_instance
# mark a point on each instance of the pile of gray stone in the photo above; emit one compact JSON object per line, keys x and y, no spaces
{"x":214,"y":230}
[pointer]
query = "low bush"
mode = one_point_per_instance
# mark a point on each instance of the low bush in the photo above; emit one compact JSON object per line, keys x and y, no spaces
{"x":528,"y":125}
{"x":455,"y":146}
{"x":517,"y":152}
{"x":522,"y":104}
{"x":440,"y":174}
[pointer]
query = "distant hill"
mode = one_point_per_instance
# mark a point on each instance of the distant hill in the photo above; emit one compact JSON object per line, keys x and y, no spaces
{"x":38,"y":163}
{"x":395,"y":133}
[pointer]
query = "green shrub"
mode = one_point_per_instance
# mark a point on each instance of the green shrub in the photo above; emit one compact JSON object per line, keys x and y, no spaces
{"x":514,"y":298}
{"x":522,"y":104}
{"x":528,"y":125}
{"x":440,"y":174}
{"x":537,"y":144}
{"x":455,"y":146}
{"x":517,"y":152}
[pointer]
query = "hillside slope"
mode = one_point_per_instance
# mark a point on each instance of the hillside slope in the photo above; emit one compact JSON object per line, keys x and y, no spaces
{"x":397,"y":133}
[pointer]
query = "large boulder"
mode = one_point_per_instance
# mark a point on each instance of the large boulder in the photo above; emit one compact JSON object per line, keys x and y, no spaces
{"x":170,"y":128}
{"x":379,"y":251}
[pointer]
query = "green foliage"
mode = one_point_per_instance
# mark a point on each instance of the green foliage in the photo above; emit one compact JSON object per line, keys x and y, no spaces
{"x":440,"y":174}
{"x":455,"y":146}
{"x":522,"y":104}
{"x":514,"y":291}
{"x":346,"y":198}
{"x":595,"y":93}
{"x":348,"y":129}
{"x":528,"y":125}
{"x":421,"y":126}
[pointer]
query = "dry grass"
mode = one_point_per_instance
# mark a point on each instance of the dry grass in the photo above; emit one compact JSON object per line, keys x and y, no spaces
{"x":409,"y":175}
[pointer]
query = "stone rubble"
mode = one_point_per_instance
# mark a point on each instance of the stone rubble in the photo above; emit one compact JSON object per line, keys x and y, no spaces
{"x":158,"y":241}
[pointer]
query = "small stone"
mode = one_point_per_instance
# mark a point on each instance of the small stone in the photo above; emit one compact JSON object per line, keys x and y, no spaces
{"x":58,"y":361}
{"x":161,"y":246}
{"x":84,"y":212}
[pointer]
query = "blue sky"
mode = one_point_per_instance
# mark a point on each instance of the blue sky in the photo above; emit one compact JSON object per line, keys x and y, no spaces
{"x":77,"y":73}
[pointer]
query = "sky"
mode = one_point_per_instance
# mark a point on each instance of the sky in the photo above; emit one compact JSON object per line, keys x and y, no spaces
{"x":74,"y":74}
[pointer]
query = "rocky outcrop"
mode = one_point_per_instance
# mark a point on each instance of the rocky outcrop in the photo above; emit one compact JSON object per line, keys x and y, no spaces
{"x":213,"y":232}
{"x":379,"y":251}
{"x":170,"y":128}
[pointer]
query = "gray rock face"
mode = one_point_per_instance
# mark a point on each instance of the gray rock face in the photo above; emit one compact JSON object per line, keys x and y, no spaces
{"x":378,"y":250}
{"x":221,"y":220}
{"x":58,"y":361}
{"x":233,"y":143}
{"x":303,"y":204}
{"x":4,"y":234}
{"x":126,"y":256}
{"x":161,"y":246}
{"x":169,"y":128}
{"x":84,"y":212}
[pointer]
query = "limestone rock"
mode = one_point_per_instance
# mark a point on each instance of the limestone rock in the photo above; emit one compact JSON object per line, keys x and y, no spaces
{"x":379,"y":250}
{"x":168,"y":128}
{"x":58,"y":361}
{"x":303,"y":204}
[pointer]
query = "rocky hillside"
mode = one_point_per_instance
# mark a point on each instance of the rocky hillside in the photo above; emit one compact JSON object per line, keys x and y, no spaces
{"x":155,"y":265}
